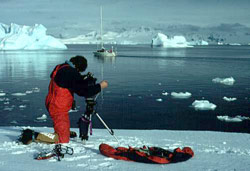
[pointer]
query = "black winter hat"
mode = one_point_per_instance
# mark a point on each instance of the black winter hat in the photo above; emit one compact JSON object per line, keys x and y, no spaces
{"x":80,"y":63}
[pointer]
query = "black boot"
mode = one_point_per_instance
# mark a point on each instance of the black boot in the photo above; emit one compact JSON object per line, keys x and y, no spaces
{"x":27,"y":136}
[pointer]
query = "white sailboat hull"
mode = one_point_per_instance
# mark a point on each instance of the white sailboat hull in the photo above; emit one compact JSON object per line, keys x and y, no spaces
{"x":105,"y":54}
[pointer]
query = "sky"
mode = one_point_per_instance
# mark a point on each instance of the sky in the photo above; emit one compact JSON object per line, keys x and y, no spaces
{"x":63,"y":15}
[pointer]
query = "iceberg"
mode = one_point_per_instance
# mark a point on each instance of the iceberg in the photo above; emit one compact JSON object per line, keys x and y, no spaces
{"x":17,"y":37}
{"x":176,"y":42}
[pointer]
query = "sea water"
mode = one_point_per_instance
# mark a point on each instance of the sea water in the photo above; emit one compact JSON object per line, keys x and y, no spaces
{"x":137,"y":78}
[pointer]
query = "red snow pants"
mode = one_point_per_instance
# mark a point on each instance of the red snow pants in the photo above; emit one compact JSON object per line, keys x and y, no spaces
{"x":58,"y":103}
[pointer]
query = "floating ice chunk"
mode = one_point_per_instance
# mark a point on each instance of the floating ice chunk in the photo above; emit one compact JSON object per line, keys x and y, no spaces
{"x":181,"y":95}
{"x":242,"y":117}
{"x":36,"y":90}
{"x":226,"y":81}
{"x":43,"y":117}
{"x":203,"y":105}
{"x":71,"y":111}
{"x":237,"y":118}
{"x":22,"y":106}
{"x":229,"y":99}
{"x":8,"y":108}
{"x":18,"y":94}
{"x":165,"y":93}
{"x":14,"y":122}
{"x":159,"y":100}
{"x":2,"y":94}
{"x":28,"y":92}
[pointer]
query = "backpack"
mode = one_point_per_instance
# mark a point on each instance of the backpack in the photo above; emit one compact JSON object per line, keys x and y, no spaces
{"x":146,"y":154}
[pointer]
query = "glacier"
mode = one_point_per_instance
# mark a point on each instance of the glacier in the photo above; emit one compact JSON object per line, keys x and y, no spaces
{"x":22,"y":37}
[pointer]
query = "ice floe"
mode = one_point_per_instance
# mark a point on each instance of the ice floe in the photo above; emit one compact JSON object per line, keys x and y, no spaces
{"x":22,"y":106}
{"x":159,"y":100}
{"x":181,"y":95}
{"x":43,"y":117}
{"x":2,"y":94}
{"x":165,"y":93}
{"x":226,"y":81}
{"x":203,"y":105}
{"x":229,"y":99}
{"x":18,"y":94}
{"x":237,"y":118}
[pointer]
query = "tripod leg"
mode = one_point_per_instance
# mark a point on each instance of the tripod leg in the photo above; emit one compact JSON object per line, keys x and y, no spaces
{"x":109,"y":130}
{"x":83,"y":124}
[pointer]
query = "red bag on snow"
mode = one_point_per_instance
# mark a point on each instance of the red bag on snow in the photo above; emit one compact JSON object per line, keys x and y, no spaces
{"x":155,"y":155}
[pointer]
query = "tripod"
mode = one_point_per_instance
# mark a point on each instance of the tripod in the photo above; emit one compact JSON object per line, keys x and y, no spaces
{"x":85,"y":123}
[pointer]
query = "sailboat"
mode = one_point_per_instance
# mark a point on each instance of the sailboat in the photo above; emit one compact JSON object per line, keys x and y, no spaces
{"x":103,"y":52}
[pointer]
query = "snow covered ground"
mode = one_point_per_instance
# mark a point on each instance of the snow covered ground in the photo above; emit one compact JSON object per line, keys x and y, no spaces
{"x":212,"y":151}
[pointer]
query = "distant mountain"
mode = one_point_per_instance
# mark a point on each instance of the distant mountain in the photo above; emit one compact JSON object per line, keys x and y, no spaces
{"x":221,"y":34}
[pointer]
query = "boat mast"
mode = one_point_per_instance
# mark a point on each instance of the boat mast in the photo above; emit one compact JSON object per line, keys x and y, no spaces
{"x":101,"y":28}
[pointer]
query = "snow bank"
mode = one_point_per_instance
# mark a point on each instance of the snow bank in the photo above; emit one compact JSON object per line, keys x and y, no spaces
{"x":16,"y":37}
{"x":181,"y":95}
{"x":176,"y":42}
{"x":237,"y":118}
{"x":203,"y":105}
{"x":226,"y":81}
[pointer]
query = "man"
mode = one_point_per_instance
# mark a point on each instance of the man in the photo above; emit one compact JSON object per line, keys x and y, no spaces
{"x":65,"y":81}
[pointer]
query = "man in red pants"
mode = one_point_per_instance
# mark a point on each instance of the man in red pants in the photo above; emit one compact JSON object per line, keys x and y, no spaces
{"x":65,"y":81}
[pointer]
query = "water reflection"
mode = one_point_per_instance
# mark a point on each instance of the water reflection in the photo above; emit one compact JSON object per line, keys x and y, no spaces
{"x":27,"y":64}
{"x":108,"y":59}
{"x":169,"y":52}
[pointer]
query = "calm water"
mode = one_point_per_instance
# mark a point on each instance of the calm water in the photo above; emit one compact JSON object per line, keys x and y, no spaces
{"x":137,"y":78}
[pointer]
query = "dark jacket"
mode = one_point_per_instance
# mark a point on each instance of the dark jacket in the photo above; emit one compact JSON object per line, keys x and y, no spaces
{"x":68,"y":77}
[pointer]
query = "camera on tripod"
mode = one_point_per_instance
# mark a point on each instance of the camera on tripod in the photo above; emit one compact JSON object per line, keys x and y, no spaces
{"x":90,"y":79}
{"x":84,"y":122}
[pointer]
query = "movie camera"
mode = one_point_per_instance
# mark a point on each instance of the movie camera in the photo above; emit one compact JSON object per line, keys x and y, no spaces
{"x":84,"y":122}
